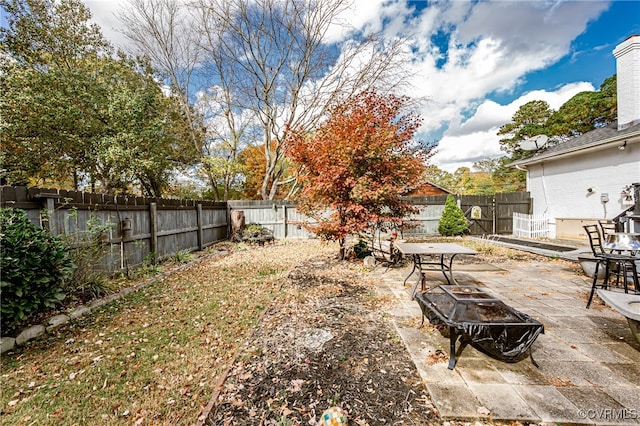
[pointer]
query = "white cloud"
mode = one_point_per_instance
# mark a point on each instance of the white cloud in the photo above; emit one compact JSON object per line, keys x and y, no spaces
{"x":103,"y":13}
{"x":477,"y":139}
{"x":491,"y":48}
{"x":371,"y":16}
{"x":462,"y":53}
{"x":490,"y":114}
{"x":464,"y":150}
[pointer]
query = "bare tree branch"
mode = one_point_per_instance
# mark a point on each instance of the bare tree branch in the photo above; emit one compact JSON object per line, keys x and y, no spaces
{"x":270,"y":57}
{"x":161,"y":31}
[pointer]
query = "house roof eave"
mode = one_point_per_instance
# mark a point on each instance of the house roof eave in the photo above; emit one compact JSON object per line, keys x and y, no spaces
{"x":607,"y":143}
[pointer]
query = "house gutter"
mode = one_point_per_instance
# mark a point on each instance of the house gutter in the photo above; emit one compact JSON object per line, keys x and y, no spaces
{"x":595,"y":146}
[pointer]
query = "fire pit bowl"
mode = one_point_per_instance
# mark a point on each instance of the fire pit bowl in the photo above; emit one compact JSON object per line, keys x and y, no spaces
{"x":482,"y":320}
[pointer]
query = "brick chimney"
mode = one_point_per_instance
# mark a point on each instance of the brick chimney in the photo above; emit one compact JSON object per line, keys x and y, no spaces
{"x":627,"y":56}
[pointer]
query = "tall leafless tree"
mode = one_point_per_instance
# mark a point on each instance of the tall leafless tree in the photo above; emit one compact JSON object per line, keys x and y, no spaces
{"x":285,"y":70}
{"x":274,"y":58}
{"x":161,"y":31}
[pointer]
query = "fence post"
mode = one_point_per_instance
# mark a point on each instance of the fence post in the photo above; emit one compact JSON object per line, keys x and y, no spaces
{"x":494,"y":215}
{"x":199,"y":221}
{"x":153,"y":217}
{"x":228,"y":219}
{"x":284,"y":221}
{"x":51,"y":222}
{"x":49,"y":204}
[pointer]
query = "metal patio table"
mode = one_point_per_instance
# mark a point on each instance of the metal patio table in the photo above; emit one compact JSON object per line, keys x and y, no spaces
{"x":623,"y":241}
{"x":446,"y":252}
{"x":482,"y":320}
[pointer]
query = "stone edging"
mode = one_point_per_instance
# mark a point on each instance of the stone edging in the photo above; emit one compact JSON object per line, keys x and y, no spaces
{"x":31,"y":332}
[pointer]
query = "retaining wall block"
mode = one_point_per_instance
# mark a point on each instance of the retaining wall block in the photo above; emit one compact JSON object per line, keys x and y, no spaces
{"x":7,"y":343}
{"x":57,"y":320}
{"x":30,"y":333}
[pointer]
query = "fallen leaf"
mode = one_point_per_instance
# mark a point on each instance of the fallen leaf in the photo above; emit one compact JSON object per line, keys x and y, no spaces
{"x":296,"y":385}
{"x":483,"y":410}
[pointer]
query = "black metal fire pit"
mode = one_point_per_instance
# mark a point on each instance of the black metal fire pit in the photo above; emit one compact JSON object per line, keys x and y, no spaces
{"x":482,"y":320}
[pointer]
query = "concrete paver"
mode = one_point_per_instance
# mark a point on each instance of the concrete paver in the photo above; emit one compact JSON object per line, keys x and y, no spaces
{"x":589,"y":362}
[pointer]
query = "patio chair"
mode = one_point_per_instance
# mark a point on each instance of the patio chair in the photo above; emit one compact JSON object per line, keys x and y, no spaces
{"x":608,"y":227}
{"x":612,"y":262}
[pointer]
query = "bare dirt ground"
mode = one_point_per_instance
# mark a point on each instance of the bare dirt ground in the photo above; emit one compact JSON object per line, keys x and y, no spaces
{"x":325,"y":342}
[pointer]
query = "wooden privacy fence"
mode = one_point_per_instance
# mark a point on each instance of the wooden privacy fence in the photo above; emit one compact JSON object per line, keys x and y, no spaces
{"x":137,"y":227}
{"x":280,"y":216}
{"x":486,"y":214}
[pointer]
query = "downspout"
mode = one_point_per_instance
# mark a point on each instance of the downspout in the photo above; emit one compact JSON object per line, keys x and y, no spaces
{"x":544,"y":188}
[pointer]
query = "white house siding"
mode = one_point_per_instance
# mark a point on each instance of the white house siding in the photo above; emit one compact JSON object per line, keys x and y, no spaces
{"x":559,"y":186}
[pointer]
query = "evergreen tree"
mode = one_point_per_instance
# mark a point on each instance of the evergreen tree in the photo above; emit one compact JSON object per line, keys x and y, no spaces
{"x":452,"y":221}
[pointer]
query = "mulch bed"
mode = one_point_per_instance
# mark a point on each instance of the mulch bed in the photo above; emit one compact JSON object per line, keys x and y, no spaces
{"x":324,"y":342}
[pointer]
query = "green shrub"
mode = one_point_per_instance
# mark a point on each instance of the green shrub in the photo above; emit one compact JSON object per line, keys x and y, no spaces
{"x":254,"y":231}
{"x":183,"y":256}
{"x":452,"y":221}
{"x":253,"y":228}
{"x":88,"y":249}
{"x":33,"y":263}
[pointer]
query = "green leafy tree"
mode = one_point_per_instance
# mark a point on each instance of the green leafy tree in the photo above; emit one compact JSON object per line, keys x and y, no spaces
{"x":582,"y":113}
{"x":530,"y":120}
{"x":146,"y":134}
{"x":46,"y":96}
{"x":72,"y":112}
{"x":585,"y":111}
{"x":50,"y":33}
{"x":452,"y":221}
{"x":440,"y":177}
{"x":465,"y":181}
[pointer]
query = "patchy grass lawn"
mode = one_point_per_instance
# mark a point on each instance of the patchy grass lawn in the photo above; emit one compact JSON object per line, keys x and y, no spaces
{"x":154,"y":357}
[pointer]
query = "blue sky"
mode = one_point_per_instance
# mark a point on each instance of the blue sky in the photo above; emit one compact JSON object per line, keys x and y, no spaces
{"x":477,"y":62}
{"x":590,"y":58}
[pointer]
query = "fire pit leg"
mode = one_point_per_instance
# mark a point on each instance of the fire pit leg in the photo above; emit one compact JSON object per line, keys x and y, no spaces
{"x":453,"y":336}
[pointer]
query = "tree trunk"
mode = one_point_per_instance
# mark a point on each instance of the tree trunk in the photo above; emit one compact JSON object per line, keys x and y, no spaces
{"x":237,"y":223}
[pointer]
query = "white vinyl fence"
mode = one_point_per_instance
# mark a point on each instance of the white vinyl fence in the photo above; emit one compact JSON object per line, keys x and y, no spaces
{"x":530,"y":226}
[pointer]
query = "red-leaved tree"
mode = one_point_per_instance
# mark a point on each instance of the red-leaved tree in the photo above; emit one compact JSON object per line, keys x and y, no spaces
{"x":357,"y":165}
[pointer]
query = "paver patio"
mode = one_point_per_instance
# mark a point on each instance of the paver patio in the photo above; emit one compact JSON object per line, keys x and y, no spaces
{"x":589,"y":361}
